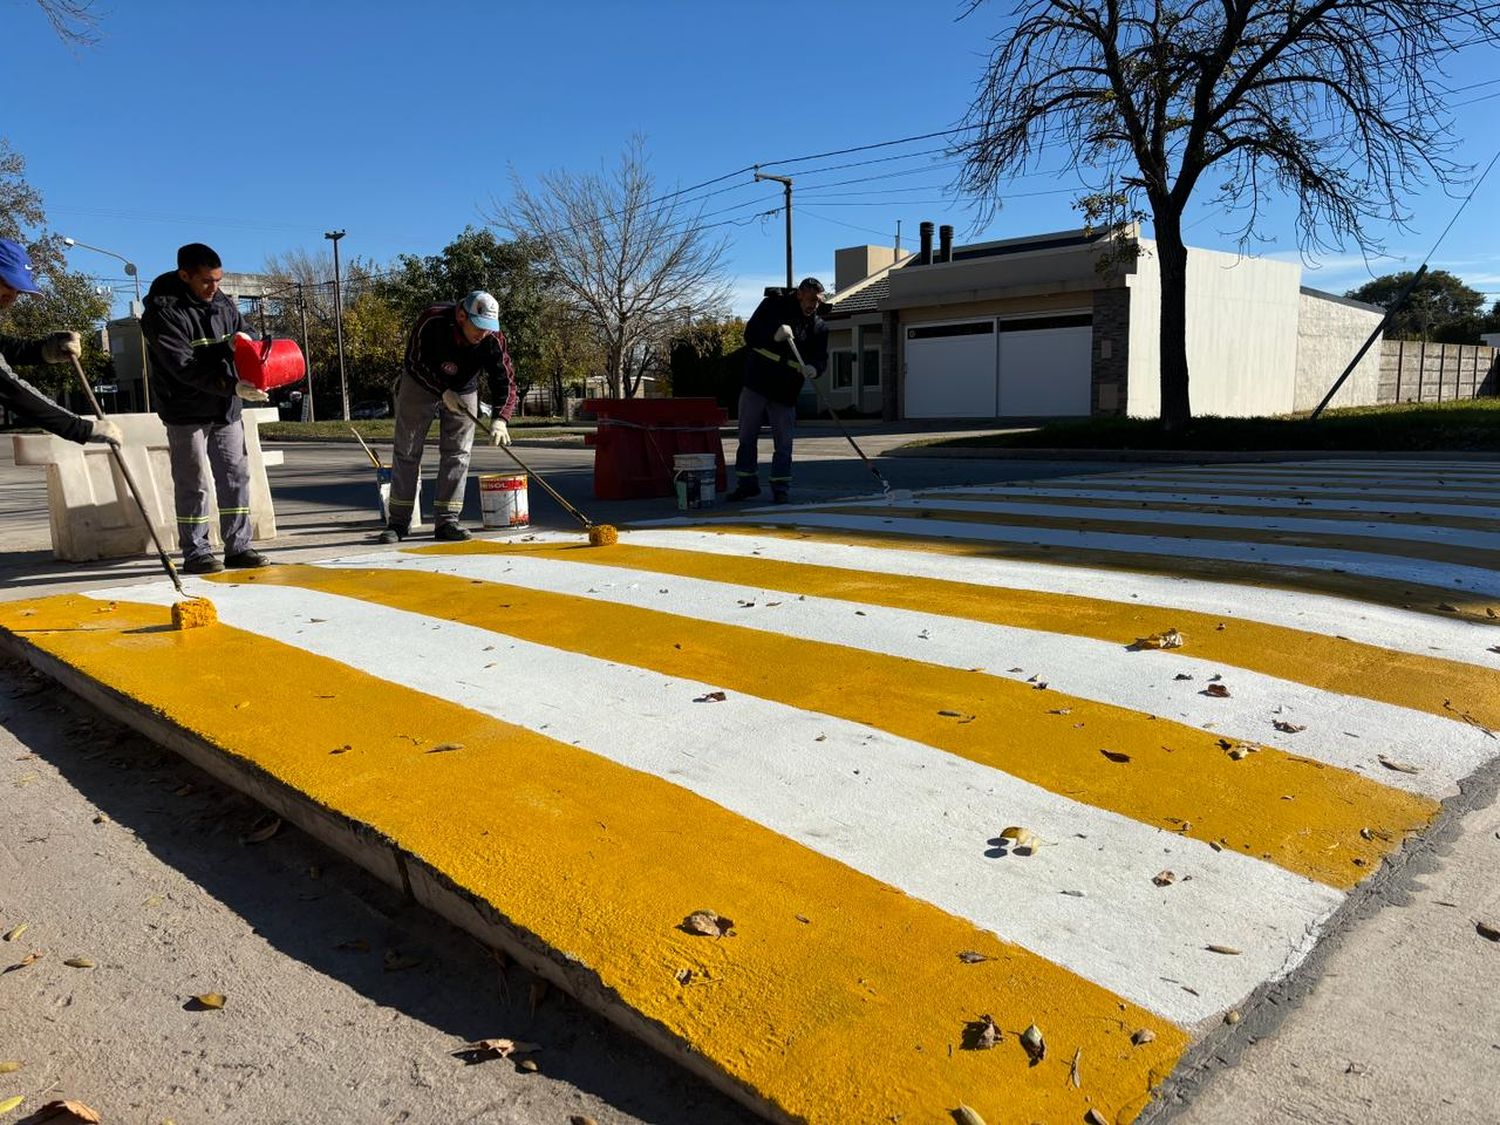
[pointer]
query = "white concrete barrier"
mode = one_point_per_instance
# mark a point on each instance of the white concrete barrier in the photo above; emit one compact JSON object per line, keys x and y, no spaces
{"x":92,"y":514}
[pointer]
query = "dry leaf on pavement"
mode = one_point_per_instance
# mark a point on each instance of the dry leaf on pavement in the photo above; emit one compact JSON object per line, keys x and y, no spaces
{"x":1142,"y":1037}
{"x":1073,"y":1070}
{"x":79,"y":963}
{"x":8,"y":1104}
{"x":65,"y":1113}
{"x":706,"y":923}
{"x":970,"y":957}
{"x":580,"y":1119}
{"x":1398,"y":766}
{"x":963,"y":1115}
{"x":1487,"y":930}
{"x":9,"y":1066}
{"x":1167,"y":638}
{"x":263,"y":830}
{"x":16,"y":931}
{"x":483,"y":1049}
{"x":710,"y":697}
{"x":30,"y":959}
{"x":1094,"y":1117}
{"x":1033,"y":1043}
{"x":211,"y":1000}
{"x":1216,"y":691}
{"x":1164,"y":878}
{"x":1115,"y":755}
{"x":1021,"y":838}
{"x":1227,"y":950}
{"x":981,"y":1034}
{"x":1288,"y":728}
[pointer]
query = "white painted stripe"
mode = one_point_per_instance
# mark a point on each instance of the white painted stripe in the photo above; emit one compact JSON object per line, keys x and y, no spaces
{"x":899,"y":811}
{"x":1326,"y":469}
{"x":1324,"y":614}
{"x":1465,"y":579}
{"x":1287,"y":520}
{"x":1345,"y":731}
{"x":1395,"y":488}
{"x":1288,"y":505}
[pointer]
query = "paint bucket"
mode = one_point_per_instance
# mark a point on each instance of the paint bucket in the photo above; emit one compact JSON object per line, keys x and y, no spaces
{"x":268,"y":364}
{"x":695,"y":475}
{"x":383,"y":498}
{"x":502,"y":500}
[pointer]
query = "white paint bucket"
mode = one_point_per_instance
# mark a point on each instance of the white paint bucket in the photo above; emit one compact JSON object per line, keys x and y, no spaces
{"x":695,"y":475}
{"x":383,"y":498}
{"x":502,"y":500}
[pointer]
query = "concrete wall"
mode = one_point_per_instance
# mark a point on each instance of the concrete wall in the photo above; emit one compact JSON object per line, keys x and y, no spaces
{"x":1329,"y":333}
{"x":1241,"y":334}
{"x":855,"y":263}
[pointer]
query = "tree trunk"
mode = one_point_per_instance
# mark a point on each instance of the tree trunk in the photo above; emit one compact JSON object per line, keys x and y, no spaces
{"x":1176,"y":407}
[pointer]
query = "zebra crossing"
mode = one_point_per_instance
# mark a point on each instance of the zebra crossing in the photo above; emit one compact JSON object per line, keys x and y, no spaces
{"x":929,"y":756}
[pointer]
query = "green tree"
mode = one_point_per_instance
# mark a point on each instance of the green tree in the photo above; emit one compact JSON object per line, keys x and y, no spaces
{"x":1340,"y":104}
{"x":707,"y":359}
{"x":1441,"y":309}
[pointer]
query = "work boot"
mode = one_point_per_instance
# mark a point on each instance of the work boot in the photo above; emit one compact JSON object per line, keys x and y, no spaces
{"x":747,"y":488}
{"x":451,"y":533}
{"x":247,"y":559}
{"x":391,"y":534}
{"x":203,"y":564}
{"x":780,"y":495}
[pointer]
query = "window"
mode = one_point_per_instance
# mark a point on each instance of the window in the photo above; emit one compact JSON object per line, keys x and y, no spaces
{"x":843,"y":370}
{"x":869,"y":368}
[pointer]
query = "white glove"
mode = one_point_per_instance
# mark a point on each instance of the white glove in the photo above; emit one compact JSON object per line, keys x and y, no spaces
{"x":499,"y":432}
{"x":453,"y":401}
{"x":106,"y":430}
{"x":783,"y":334}
{"x":244,"y":336}
{"x":250,"y":392}
{"x":61,"y":346}
{"x":809,"y":371}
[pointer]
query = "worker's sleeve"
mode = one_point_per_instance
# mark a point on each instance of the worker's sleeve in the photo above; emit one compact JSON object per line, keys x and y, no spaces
{"x":17,"y":395}
{"x":760,"y":332}
{"x":206,"y":365}
{"x":816,"y":351}
{"x":502,"y":379}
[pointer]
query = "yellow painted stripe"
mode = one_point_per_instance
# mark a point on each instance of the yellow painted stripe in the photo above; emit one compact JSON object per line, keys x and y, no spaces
{"x":1415,"y":596}
{"x":839,"y":999}
{"x":1305,"y":816}
{"x":1480,"y":557}
{"x":1404,"y":679}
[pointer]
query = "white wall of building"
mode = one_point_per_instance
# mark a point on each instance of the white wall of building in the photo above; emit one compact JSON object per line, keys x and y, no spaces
{"x":1329,"y":333}
{"x":1241,"y":334}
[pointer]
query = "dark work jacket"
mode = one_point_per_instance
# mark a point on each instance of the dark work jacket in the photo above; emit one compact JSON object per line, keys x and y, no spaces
{"x":192,"y":352}
{"x":778,"y":379}
{"x":440,"y":359}
{"x":17,"y":395}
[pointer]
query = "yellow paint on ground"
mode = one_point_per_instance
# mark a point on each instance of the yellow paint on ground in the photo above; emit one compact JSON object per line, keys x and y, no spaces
{"x":1413,"y":680}
{"x":839,"y":999}
{"x":1305,"y":816}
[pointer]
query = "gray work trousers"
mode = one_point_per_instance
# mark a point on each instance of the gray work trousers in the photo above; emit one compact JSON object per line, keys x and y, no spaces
{"x":416,"y":406}
{"x":198,"y":451}
{"x":757,"y":410}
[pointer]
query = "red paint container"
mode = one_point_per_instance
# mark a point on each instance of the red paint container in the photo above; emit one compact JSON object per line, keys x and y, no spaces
{"x":268,"y":364}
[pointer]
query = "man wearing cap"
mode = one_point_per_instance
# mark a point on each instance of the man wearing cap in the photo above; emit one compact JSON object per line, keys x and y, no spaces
{"x":773,"y":380}
{"x":16,"y":394}
{"x":190,"y":325}
{"x":449,"y":348}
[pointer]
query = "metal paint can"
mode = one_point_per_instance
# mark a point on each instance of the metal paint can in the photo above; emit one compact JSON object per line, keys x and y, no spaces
{"x":695,"y":476}
{"x":502,"y":500}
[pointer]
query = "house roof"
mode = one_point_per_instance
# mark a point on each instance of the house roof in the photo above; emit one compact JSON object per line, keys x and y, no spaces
{"x":865,"y":295}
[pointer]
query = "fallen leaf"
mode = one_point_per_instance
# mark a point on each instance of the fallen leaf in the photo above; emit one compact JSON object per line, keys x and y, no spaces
{"x":981,"y":1034}
{"x":1021,"y":838}
{"x":1182,"y":676}
{"x":101,"y":818}
{"x":66,"y":1112}
{"x":1094,"y":1117}
{"x":498,"y":1048}
{"x":9,"y":1066}
{"x":711,"y":697}
{"x":79,"y":963}
{"x":1168,"y":638}
{"x":1033,"y":1043}
{"x":963,"y":1115}
{"x":1217,"y":691}
{"x":950,"y":714}
{"x":1288,"y":728}
{"x":528,"y":1065}
{"x":1142,"y":1037}
{"x":1227,"y":950}
{"x":395,"y":961}
{"x":16,"y":931}
{"x":970,"y":957}
{"x":1399,"y":767}
{"x":706,"y":923}
{"x":29,"y":959}
{"x":444,"y":747}
{"x":267,"y":827}
{"x":1164,"y":878}
{"x":1115,"y":755}
{"x":9,"y":1104}
{"x":1487,"y":930}
{"x":211,"y":1000}
{"x":1060,"y":711}
{"x":579,"y":1119}
{"x":1073,"y":1070}
{"x":1232,"y":1016}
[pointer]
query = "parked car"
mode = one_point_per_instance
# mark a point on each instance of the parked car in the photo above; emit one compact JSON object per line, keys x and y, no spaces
{"x":372,"y":409}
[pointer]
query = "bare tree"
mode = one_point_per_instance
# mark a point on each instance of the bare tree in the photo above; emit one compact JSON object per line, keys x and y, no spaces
{"x":73,"y":20}
{"x":635,"y":264}
{"x":1341,"y":104}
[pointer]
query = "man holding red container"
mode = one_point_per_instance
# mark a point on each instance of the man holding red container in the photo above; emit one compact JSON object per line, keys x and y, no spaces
{"x":190,"y":326}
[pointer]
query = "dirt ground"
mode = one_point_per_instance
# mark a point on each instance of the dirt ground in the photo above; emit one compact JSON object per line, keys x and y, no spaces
{"x":344,"y":1002}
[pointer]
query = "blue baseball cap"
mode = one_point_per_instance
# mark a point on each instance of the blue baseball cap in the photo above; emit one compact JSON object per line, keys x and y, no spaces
{"x":482,"y":310}
{"x":15,"y":267}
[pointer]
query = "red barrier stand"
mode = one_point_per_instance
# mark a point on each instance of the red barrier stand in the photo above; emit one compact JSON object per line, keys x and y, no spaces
{"x":638,"y":437}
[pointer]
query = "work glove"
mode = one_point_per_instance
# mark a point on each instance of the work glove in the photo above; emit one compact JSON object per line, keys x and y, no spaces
{"x":454,"y":401}
{"x":106,"y":431}
{"x":250,"y":392}
{"x":499,"y":432}
{"x":783,"y":334}
{"x":809,"y":371}
{"x":61,"y":346}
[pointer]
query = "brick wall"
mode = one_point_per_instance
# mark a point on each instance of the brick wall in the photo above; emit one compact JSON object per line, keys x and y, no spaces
{"x":1111,"y":347}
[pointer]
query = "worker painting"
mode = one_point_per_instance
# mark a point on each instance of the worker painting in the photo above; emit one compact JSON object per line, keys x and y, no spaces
{"x":447,"y":351}
{"x":16,"y":394}
{"x":787,"y":342}
{"x":190,"y":326}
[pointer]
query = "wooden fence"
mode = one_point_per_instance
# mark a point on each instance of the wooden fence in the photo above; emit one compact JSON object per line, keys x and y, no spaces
{"x":1416,"y":371}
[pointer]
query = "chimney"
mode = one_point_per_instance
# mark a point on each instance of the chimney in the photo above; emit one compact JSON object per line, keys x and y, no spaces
{"x":945,"y":243}
{"x":924,"y":255}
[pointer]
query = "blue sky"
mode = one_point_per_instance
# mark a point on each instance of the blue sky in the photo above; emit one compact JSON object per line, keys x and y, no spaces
{"x":257,"y":127}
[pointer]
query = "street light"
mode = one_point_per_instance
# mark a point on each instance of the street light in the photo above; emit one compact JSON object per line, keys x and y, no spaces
{"x":136,"y":309}
{"x":338,"y":315}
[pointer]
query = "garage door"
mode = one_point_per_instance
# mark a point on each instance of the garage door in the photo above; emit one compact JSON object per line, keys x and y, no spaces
{"x":950,"y":370}
{"x":1046,"y":366}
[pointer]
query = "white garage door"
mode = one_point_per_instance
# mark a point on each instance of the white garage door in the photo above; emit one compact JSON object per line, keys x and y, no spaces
{"x":950,"y":370}
{"x":1046,"y":366}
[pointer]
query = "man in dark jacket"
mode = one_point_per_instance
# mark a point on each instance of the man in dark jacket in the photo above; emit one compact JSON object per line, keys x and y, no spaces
{"x":773,"y":380}
{"x":190,"y":326}
{"x":449,"y":348}
{"x":16,"y":394}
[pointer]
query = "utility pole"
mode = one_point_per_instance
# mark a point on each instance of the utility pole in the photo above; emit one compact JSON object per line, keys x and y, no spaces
{"x":338,"y":315}
{"x":786,"y":182}
{"x":306,"y":352}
